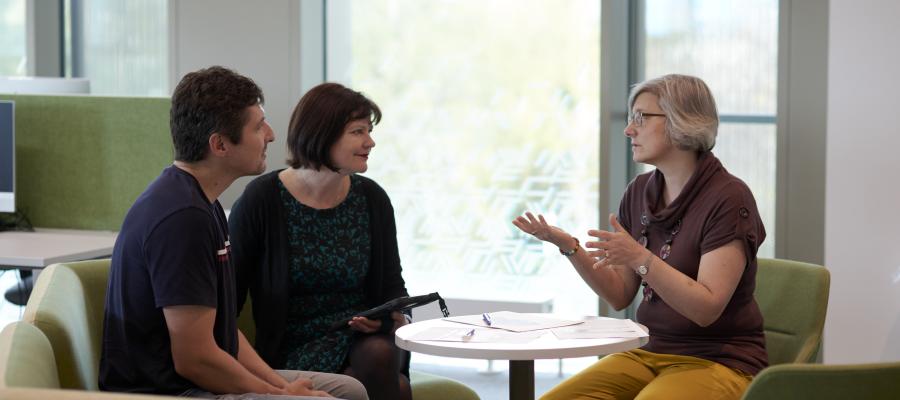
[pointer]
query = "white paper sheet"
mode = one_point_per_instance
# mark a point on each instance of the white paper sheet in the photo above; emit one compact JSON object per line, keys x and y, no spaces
{"x":601,"y":328}
{"x":515,"y":322}
{"x":477,"y":335}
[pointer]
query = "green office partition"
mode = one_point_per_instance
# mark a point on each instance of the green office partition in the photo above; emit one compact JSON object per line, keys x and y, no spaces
{"x":81,"y":161}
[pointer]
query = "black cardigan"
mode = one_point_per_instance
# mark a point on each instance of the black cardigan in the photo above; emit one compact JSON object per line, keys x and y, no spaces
{"x":259,"y":246}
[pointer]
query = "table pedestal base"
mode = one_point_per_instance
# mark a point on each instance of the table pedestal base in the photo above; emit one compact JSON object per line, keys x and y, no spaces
{"x":521,"y":379}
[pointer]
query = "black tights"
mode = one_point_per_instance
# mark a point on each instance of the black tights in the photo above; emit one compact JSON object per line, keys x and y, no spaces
{"x":376,"y":362}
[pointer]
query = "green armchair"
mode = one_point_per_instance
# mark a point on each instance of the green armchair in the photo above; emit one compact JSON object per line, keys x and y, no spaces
{"x":793,"y":299}
{"x":67,"y":306}
{"x":28,"y":369}
{"x":26,"y":358}
{"x":826,"y":382}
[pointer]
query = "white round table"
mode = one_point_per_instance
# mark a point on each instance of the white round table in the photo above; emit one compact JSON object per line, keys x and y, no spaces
{"x":521,"y":356}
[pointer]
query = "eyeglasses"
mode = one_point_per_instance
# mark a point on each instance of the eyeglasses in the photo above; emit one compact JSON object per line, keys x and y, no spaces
{"x":637,"y":118}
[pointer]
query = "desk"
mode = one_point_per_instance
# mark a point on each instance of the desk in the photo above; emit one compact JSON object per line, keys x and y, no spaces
{"x":36,"y":250}
{"x":521,"y":356}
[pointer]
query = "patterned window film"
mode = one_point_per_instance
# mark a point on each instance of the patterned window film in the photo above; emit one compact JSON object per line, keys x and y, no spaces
{"x":490,"y":109}
{"x":733,"y":46}
{"x":121,"y":46}
{"x":12,"y":38}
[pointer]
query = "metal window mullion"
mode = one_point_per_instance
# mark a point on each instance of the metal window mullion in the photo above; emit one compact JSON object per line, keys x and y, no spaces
{"x":76,"y":33}
{"x":637,"y":58}
{"x":616,"y":49}
{"x":747,"y":119}
{"x":44,"y":38}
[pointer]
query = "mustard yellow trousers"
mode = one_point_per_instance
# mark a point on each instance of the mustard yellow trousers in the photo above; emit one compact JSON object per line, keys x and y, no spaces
{"x":643,"y":375}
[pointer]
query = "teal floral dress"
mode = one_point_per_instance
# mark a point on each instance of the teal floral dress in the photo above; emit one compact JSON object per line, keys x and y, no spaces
{"x":329,"y":259}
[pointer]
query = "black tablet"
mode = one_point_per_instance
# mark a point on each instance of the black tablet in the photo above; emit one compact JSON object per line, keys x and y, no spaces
{"x":398,"y":304}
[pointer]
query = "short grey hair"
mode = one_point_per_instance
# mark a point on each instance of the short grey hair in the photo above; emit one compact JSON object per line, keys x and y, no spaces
{"x":692,"y":121}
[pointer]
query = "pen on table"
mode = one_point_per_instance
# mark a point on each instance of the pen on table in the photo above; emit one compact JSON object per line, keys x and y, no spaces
{"x":469,"y":334}
{"x":487,"y":318}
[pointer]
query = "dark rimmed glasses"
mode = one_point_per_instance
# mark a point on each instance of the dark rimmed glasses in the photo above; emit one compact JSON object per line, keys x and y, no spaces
{"x":637,"y":118}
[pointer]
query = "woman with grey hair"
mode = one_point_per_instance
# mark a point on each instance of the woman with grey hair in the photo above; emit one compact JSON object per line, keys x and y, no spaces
{"x":686,"y":235}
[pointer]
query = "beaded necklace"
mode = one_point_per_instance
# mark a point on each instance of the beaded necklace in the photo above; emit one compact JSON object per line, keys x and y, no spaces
{"x":664,"y":251}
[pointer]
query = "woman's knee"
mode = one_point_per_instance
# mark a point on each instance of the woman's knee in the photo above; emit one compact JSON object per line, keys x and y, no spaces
{"x":404,"y":386}
{"x":705,"y":380}
{"x":617,"y":376}
{"x":377,"y":349}
{"x":403,"y":382}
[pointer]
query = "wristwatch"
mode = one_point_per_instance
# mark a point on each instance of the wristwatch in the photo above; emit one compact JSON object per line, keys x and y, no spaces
{"x":644,"y":268}
{"x":573,"y":251}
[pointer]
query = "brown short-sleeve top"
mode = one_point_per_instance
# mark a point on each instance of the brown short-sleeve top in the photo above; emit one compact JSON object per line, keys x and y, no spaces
{"x":714,"y":208}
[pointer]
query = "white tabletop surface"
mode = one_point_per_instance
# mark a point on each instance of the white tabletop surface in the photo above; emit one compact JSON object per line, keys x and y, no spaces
{"x":49,"y":246}
{"x":547,"y":346}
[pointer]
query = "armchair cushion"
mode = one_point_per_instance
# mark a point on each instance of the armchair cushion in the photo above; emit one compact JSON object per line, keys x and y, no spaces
{"x":62,"y":394}
{"x":67,"y":306}
{"x":793,"y":299}
{"x":826,"y":382}
{"x":26,"y":358}
{"x":432,"y":387}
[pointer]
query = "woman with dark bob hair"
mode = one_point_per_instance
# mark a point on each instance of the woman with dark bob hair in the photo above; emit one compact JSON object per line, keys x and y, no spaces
{"x":316,"y":243}
{"x":687,"y":234}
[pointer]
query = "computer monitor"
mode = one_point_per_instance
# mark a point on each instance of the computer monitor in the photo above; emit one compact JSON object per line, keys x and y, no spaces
{"x":7,"y":156}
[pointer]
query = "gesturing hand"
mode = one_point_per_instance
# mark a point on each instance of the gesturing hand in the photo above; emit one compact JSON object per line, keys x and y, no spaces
{"x":616,"y":247}
{"x":539,"y":228}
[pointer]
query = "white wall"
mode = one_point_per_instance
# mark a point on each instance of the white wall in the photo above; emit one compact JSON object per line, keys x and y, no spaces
{"x":259,"y":40}
{"x":862,"y":206}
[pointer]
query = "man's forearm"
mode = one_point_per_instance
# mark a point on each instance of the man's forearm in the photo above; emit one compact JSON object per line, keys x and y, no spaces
{"x":250,"y":359}
{"x":199,"y":359}
{"x":217,"y":372}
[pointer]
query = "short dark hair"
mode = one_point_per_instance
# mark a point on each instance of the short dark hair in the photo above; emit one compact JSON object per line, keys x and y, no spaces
{"x":318,"y":121}
{"x":210,"y":100}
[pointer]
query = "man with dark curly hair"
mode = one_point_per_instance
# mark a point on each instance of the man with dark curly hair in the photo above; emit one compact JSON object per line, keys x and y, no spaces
{"x":170,"y":325}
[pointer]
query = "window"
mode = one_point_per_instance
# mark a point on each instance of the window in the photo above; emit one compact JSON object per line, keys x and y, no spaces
{"x":490,"y":109}
{"x":121,"y":46}
{"x":733,"y":46}
{"x":12,"y":38}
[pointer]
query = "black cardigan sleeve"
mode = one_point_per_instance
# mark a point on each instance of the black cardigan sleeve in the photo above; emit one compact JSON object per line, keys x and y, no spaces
{"x":385,"y":280}
{"x":394,"y":285}
{"x":258,"y":250}
{"x":244,"y":250}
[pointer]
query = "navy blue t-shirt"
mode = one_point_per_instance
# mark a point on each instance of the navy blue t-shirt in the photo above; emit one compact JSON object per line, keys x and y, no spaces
{"x":172,"y":250}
